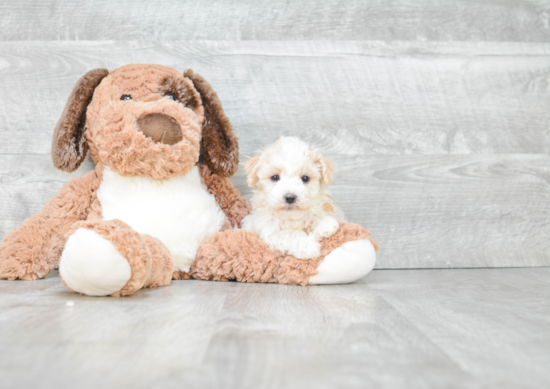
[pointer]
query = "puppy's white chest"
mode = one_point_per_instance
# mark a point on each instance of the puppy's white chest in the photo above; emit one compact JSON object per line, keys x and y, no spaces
{"x":178,"y":211}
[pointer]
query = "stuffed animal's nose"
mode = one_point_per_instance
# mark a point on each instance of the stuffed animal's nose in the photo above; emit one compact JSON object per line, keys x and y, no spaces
{"x":290,"y":198}
{"x":161,"y":128}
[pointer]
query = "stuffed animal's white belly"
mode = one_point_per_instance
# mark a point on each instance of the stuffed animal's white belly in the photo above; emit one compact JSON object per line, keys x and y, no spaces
{"x":178,"y":211}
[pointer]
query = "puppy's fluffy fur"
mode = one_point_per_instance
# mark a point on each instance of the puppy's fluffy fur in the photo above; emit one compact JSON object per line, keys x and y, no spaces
{"x":292,"y":209}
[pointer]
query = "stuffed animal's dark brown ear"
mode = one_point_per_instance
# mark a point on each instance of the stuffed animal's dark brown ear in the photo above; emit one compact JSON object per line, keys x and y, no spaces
{"x":220,"y":147}
{"x":69,"y":146}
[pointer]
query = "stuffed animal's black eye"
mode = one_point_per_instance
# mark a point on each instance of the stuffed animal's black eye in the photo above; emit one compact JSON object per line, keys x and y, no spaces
{"x":305,"y":179}
{"x":126,"y":97}
{"x":171,"y":97}
{"x":275,"y":178}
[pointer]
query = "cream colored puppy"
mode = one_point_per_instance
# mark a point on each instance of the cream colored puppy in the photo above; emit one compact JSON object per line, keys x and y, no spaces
{"x":292,"y":209}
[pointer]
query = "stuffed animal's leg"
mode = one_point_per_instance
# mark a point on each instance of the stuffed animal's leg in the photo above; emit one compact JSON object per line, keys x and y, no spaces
{"x":240,"y":255}
{"x":103,"y":258}
{"x":346,"y":256}
{"x":31,"y":250}
{"x":347,"y":263}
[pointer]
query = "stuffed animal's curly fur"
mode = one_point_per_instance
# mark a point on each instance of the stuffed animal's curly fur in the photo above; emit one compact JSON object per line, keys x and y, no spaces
{"x":150,"y":212}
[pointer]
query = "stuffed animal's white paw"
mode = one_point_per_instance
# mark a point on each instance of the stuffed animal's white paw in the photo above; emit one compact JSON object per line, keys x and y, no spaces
{"x":91,"y":265}
{"x":345,"y":264}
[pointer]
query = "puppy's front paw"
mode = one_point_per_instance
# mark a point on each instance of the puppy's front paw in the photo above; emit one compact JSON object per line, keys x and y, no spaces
{"x":307,"y":248}
{"x":327,"y":227}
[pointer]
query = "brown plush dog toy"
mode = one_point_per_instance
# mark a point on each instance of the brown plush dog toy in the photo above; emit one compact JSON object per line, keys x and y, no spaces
{"x":150,"y":212}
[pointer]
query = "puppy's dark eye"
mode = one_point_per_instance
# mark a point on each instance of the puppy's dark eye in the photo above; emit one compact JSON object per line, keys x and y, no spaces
{"x":275,"y":178}
{"x":171,"y":97}
{"x":305,"y":179}
{"x":126,"y":97}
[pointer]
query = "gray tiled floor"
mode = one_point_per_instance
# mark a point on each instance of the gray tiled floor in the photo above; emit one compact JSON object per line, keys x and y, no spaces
{"x":486,"y":328}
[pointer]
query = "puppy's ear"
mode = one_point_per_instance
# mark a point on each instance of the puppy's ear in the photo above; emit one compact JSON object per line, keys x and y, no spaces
{"x":69,"y":145}
{"x":252,"y":166}
{"x":220,"y":147}
{"x":326,"y":167}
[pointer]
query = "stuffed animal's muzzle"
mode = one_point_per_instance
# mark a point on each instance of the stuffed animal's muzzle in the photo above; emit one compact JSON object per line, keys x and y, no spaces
{"x":160,"y":128}
{"x":157,"y":139}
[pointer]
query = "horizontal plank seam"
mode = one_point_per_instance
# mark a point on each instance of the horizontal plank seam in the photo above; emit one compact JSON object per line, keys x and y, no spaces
{"x":460,"y":268}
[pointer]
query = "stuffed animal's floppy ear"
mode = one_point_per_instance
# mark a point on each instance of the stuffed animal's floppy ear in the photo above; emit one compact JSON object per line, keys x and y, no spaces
{"x":69,"y":146}
{"x":251,"y":166}
{"x":219,"y":145}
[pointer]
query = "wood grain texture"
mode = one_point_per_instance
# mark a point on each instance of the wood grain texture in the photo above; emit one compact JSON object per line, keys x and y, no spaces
{"x":436,"y":211}
{"x":484,"y":328}
{"x":350,"y":97}
{"x":462,"y":20}
{"x":481,"y":320}
{"x":450,"y":211}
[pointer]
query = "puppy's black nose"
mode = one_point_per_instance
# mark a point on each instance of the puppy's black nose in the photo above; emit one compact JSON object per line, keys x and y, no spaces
{"x":290,"y":198}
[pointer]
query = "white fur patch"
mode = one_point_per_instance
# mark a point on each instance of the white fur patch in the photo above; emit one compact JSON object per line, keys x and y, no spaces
{"x":179,"y":211}
{"x":91,"y":265}
{"x":347,"y":263}
{"x":295,"y":242}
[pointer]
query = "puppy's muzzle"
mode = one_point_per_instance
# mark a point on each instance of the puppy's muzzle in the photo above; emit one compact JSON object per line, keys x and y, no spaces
{"x":160,"y":128}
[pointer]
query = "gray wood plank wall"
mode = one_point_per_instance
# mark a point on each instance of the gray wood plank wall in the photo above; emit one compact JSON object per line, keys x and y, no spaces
{"x":436,"y":113}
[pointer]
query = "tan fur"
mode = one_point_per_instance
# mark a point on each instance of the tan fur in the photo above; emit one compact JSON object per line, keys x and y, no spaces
{"x":252,"y":166}
{"x":241,"y":256}
{"x":112,"y":133}
{"x":107,"y":125}
{"x":230,"y":200}
{"x":149,"y":259}
{"x":33,"y":249}
{"x":95,"y":118}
